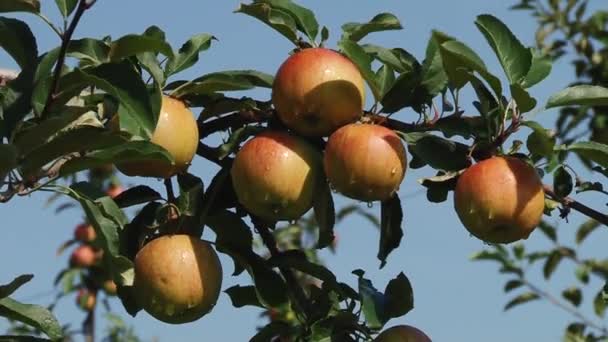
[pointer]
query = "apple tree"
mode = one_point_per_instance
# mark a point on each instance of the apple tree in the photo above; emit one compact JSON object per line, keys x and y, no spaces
{"x":75,"y":116}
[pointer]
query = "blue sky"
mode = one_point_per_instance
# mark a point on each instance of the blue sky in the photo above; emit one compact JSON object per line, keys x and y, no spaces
{"x":455,"y":299}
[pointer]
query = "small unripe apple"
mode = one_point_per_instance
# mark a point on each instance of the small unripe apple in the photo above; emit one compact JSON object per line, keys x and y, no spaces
{"x":365,"y":162}
{"x":86,"y":299}
{"x":84,"y":232}
{"x":177,"y":132}
{"x":178,"y":278}
{"x":402,"y":333}
{"x":317,"y":90}
{"x":500,"y":200}
{"x":274,"y":175}
{"x":109,"y":286}
{"x":84,"y":256}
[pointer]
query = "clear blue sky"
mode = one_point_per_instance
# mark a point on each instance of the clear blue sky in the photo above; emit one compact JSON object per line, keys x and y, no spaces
{"x":455,"y":299}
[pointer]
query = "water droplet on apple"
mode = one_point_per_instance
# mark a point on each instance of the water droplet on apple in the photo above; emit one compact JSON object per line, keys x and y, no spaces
{"x":393,"y":171}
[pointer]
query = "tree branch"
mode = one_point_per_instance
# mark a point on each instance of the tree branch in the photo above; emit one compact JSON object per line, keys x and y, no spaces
{"x":573,"y":204}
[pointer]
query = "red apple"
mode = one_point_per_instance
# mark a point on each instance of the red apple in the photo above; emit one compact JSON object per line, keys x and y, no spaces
{"x":84,"y":256}
{"x":365,"y":162}
{"x":500,"y":200}
{"x":317,"y":90}
{"x":84,"y":232}
{"x":86,"y":299}
{"x":402,"y":333}
{"x":274,"y":175}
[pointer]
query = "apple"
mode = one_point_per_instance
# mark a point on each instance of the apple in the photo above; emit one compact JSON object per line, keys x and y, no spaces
{"x":84,"y":256}
{"x":177,"y":132}
{"x":178,"y":278}
{"x":317,"y":90}
{"x":274,"y":175}
{"x":365,"y":162}
{"x":84,"y":232}
{"x":109,"y":286}
{"x":86,"y":299}
{"x":500,"y":199}
{"x":114,"y":190}
{"x":402,"y":333}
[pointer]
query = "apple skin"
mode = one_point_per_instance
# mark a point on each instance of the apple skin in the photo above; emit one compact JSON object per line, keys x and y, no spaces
{"x":84,"y":256}
{"x":402,"y":333}
{"x":365,"y":162}
{"x":178,"y":278}
{"x":114,"y":190}
{"x":317,"y":90}
{"x":274,"y":175}
{"x":109,"y":286}
{"x":86,"y":299}
{"x":84,"y":232}
{"x":500,"y":199}
{"x":177,"y":132}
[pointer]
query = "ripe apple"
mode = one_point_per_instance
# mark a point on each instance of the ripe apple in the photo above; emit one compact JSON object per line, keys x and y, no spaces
{"x":84,"y":256}
{"x":365,"y":162}
{"x":177,"y":132}
{"x":274,"y":175}
{"x":317,"y":90}
{"x":402,"y":333}
{"x":178,"y":278}
{"x":109,"y":286}
{"x":84,"y":232}
{"x":500,"y":200}
{"x":86,"y":299}
{"x":114,"y":190}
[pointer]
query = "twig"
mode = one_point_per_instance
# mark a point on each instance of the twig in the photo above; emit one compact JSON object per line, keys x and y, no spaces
{"x":65,"y":42}
{"x":88,"y":327}
{"x":169,"y":187}
{"x":573,"y":204}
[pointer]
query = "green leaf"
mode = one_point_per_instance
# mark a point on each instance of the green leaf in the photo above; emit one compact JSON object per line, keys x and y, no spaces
{"x":403,"y":93}
{"x":19,"y":42}
{"x":136,"y":195}
{"x":236,"y":138}
{"x":131,"y":151}
{"x":8,"y":155}
{"x":585,"y":229}
{"x":540,"y":68}
{"x":220,"y":104}
{"x":581,"y":95}
{"x":271,"y":331}
{"x":551,"y":263}
{"x":8,"y":289}
{"x":513,"y":284}
{"x":276,"y":18}
{"x":433,"y":76}
{"x":439,"y":153}
{"x":562,"y":182}
{"x":363,"y":61}
{"x":489,"y":255}
{"x":32,"y":315}
{"x":149,"y":61}
{"x":66,"y":7}
{"x":591,"y":150}
{"x":32,"y":6}
{"x":230,"y":80}
{"x":548,"y":230}
{"x":133,"y":44}
{"x":372,"y":302}
{"x":573,"y":295}
{"x":304,"y":18}
{"x":399,"y":297}
{"x":188,"y":54}
{"x":89,"y":51}
{"x":542,"y":141}
{"x":296,"y":259}
{"x":512,"y":55}
{"x":386,"y":78}
{"x":521,"y":299}
{"x":324,"y":212}
{"x":398,"y":59}
{"x":391,"y":233}
{"x":524,"y":101}
{"x":191,"y":190}
{"x":243,"y":296}
{"x":380,"y":22}
{"x":582,"y":273}
{"x":599,"y":304}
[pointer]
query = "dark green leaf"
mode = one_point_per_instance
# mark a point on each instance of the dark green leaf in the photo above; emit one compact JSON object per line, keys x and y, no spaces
{"x":582,"y":273}
{"x":513,"y":284}
{"x":276,"y":18}
{"x":304,"y":18}
{"x":324,"y":212}
{"x":562,"y":182}
{"x":131,"y":151}
{"x":8,"y":289}
{"x":573,"y":295}
{"x":191,"y":190}
{"x":582,"y":95}
{"x":521,"y":299}
{"x":512,"y":55}
{"x":224,"y":81}
{"x":363,"y":61}
{"x":218,"y":104}
{"x":66,"y":6}
{"x":136,"y":195}
{"x":433,"y":76}
{"x":89,"y":51}
{"x":32,"y":6}
{"x":542,"y":141}
{"x":591,"y":150}
{"x":271,"y":331}
{"x":489,"y":255}
{"x":242,"y":296}
{"x":399,"y":297}
{"x":403,"y":93}
{"x":133,"y":44}
{"x":297,"y":260}
{"x":188,"y":53}
{"x":32,"y":315}
{"x":18,"y":41}
{"x":525,"y":102}
{"x":8,"y":155}
{"x":539,"y":69}
{"x":585,"y":229}
{"x":236,"y":138}
{"x":380,"y":22}
{"x":439,"y":185}
{"x":551,"y":263}
{"x":391,"y":218}
{"x":372,"y":303}
{"x":548,"y":230}
{"x":599,"y":304}
{"x":386,"y":78}
{"x":398,"y":59}
{"x":439,"y":153}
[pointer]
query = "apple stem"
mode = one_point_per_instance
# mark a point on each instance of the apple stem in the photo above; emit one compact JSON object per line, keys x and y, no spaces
{"x":170,"y":193}
{"x":569,"y":202}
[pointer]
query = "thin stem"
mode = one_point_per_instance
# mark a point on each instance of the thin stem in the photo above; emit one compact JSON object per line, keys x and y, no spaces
{"x":88,"y":327}
{"x":170,"y":193}
{"x":50,"y":24}
{"x":574,"y":312}
{"x":65,"y":42}
{"x":573,"y":204}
